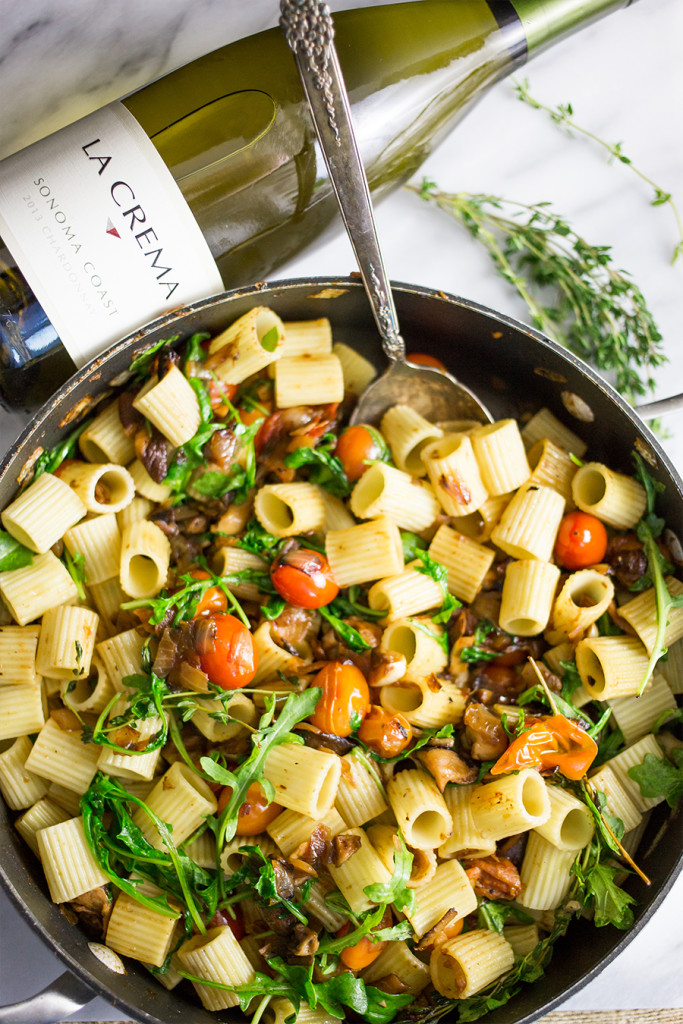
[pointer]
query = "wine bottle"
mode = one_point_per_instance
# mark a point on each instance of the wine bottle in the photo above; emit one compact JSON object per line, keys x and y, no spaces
{"x":209,"y":176}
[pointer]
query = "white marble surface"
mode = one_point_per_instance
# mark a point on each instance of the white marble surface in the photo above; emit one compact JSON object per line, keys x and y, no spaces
{"x":60,"y":59}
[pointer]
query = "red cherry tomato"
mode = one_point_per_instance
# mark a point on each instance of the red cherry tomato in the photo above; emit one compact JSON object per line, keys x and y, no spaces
{"x":235,"y":924}
{"x":255,"y":814}
{"x":356,"y":446}
{"x":212,"y":600}
{"x":424,"y":359}
{"x":581,"y":541}
{"x":345,"y":699}
{"x":218,"y":392}
{"x":232,"y":661}
{"x":304,"y":578}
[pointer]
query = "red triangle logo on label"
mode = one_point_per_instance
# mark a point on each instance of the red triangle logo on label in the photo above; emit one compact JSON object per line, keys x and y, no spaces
{"x":111,"y":230}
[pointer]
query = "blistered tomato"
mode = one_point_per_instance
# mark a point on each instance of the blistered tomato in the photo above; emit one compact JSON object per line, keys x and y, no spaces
{"x":357,"y":447}
{"x":581,"y":541}
{"x":303,"y":578}
{"x":385,"y":734}
{"x":345,"y":699}
{"x":212,"y":600}
{"x":230,"y":660}
{"x":255,"y":814}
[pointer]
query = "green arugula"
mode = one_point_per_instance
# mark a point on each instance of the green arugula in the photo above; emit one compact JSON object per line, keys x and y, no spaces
{"x":50,"y":460}
{"x":657,"y":776}
{"x":413,"y":546}
{"x":184,"y":601}
{"x":439,"y":573}
{"x":75,"y":565}
{"x":396,"y":891}
{"x":13,"y":555}
{"x":615,"y":826}
{"x":194,"y":353}
{"x":427,"y":735}
{"x":668,"y":717}
{"x":274,"y":608}
{"x":571,"y":680}
{"x":351,"y":605}
{"x":270,"y":339}
{"x":351,"y":637}
{"x":471,"y":655}
{"x":257,"y":876}
{"x":325,"y":469}
{"x":495,"y":915}
{"x":257,"y":540}
{"x":140,"y":366}
{"x":612,"y":905}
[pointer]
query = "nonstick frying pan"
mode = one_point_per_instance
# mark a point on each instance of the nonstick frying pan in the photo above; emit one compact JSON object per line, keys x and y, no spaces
{"x":515,"y":370}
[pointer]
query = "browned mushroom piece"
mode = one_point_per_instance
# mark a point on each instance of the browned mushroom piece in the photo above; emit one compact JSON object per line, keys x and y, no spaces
{"x":447,"y":766}
{"x":494,"y":878}
{"x":485,"y":734}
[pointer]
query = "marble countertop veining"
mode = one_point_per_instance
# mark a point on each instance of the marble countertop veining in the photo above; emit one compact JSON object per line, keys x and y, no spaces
{"x":60,"y":59}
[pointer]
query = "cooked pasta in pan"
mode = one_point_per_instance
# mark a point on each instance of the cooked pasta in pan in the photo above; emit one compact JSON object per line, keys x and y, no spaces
{"x":315,"y":719}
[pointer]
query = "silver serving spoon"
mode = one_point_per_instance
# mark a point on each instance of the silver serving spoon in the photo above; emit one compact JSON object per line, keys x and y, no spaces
{"x":308,"y":28}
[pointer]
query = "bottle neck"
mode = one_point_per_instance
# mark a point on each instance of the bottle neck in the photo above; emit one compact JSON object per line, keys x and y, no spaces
{"x":547,"y":21}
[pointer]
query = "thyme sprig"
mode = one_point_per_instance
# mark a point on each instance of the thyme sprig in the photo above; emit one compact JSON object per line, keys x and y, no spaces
{"x":563,"y":116}
{"x":596,"y":310}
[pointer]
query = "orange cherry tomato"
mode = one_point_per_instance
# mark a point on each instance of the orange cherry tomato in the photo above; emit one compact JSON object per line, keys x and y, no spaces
{"x":218,"y":394}
{"x":552,"y":742}
{"x":365,"y":950}
{"x":212,"y":600}
{"x":345,"y":699}
{"x":232,"y":661}
{"x":424,"y":359}
{"x":385,"y":734}
{"x":357,"y":446}
{"x":255,"y":814}
{"x":581,"y":541}
{"x":303,"y":578}
{"x":249,"y":416}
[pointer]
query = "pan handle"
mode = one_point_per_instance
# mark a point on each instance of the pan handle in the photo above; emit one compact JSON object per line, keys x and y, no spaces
{"x":660,"y":408}
{"x":60,"y":999}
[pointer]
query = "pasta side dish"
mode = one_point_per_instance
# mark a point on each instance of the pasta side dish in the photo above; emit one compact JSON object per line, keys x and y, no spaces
{"x":325,"y":719}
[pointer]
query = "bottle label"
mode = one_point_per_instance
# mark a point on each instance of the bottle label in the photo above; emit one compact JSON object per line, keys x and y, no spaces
{"x":101,"y":231}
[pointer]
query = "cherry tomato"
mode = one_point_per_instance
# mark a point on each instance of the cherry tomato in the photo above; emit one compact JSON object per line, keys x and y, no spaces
{"x":304,"y":578}
{"x":255,"y":814}
{"x":424,"y":359}
{"x":235,"y":924}
{"x":232,"y":661}
{"x":552,"y":742}
{"x":249,"y":416}
{"x":218,"y":394}
{"x":581,"y":541}
{"x":212,"y":600}
{"x":384,"y":733}
{"x":357,"y":445}
{"x":345,"y":699}
{"x":365,"y":950}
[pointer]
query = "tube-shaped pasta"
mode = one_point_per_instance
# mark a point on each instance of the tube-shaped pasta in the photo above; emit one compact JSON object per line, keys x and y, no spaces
{"x":407,"y":433}
{"x":98,"y":540}
{"x":43,"y":513}
{"x":105,"y":440}
{"x":272,"y":659}
{"x":358,"y":371}
{"x":145,"y":486}
{"x":29,"y":592}
{"x":429,"y":703}
{"x":396,"y":958}
{"x":448,"y":889}
{"x":408,"y":593}
{"x":636,"y":716}
{"x":528,"y":526}
{"x":419,"y":643}
{"x":384,"y":838}
{"x":545,"y":425}
{"x":359,"y":796}
{"x":634,"y":755}
{"x":18,"y":645}
{"x":230,"y":560}
{"x":216,"y":956}
{"x":19,"y":787}
{"x":137,"y":508}
{"x":385,"y":491}
{"x":102,"y":486}
{"x":618,"y":802}
{"x":290,"y":829}
{"x":360,"y":870}
{"x":611,"y":666}
{"x":641,"y":614}
{"x":584,"y":597}
{"x":22,"y":709}
{"x":476,"y":958}
{"x":70,"y":868}
{"x":528,"y":593}
{"x":552,"y":467}
{"x":242,"y":712}
{"x":466,"y":561}
{"x":308,"y":380}
{"x":63,"y":757}
{"x":368,"y":551}
{"x":479,"y":525}
{"x":337,"y":516}
{"x":317,"y":905}
{"x":180,"y":798}
{"x":171,"y":405}
{"x":141,"y":765}
{"x":121,"y":656}
{"x":616,"y":499}
{"x":466,"y":840}
{"x":304,"y":779}
{"x":420,"y":809}
{"x":287,"y":509}
{"x":500,"y":455}
{"x":307,"y":338}
{"x":139,"y":931}
{"x":510,"y":804}
{"x":145,"y":558}
{"x":65,"y":798}
{"x":672,"y":668}
{"x":67,"y":642}
{"x":545,"y":873}
{"x":454,"y":474}
{"x":41,"y":815}
{"x":570,"y":825}
{"x":522,"y":937}
{"x":254,"y":341}
{"x":90,"y":693}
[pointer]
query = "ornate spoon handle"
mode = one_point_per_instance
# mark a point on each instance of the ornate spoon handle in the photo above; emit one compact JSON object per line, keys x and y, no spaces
{"x":309,"y":31}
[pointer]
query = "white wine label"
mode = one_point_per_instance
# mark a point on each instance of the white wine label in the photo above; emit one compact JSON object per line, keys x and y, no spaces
{"x":101,"y":231}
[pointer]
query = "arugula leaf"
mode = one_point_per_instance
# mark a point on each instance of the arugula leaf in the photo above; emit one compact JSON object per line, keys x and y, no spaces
{"x":657,"y":776}
{"x":608,"y":746}
{"x":274,"y":608}
{"x":571,"y":680}
{"x":396,"y":891}
{"x":345,"y":607}
{"x":139,"y":367}
{"x":258,"y":540}
{"x":427,"y":735}
{"x":602,"y":819}
{"x":495,"y":915}
{"x":471,"y":655}
{"x":439,"y":573}
{"x":193,"y":349}
{"x":606,"y":627}
{"x":185,"y":600}
{"x":612,"y":904}
{"x":75,"y":565}
{"x":13,"y":555}
{"x":348,"y":634}
{"x":325,"y":469}
{"x":668,"y":717}
{"x":48,"y":461}
{"x":413,"y":546}
{"x":270,"y":339}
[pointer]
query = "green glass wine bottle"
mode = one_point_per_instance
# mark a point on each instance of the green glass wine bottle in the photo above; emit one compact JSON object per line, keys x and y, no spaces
{"x":210,"y":178}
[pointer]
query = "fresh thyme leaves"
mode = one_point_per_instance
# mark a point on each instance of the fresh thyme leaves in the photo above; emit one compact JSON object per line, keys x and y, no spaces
{"x":439,"y":573}
{"x":476,"y":652}
{"x":139,"y":367}
{"x":13,"y":555}
{"x":657,"y":776}
{"x":597,"y":312}
{"x":348,"y":634}
{"x":563,"y":115}
{"x":75,"y":565}
{"x":268,"y":735}
{"x":324,"y":468}
{"x":50,"y":460}
{"x":648,"y":530}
